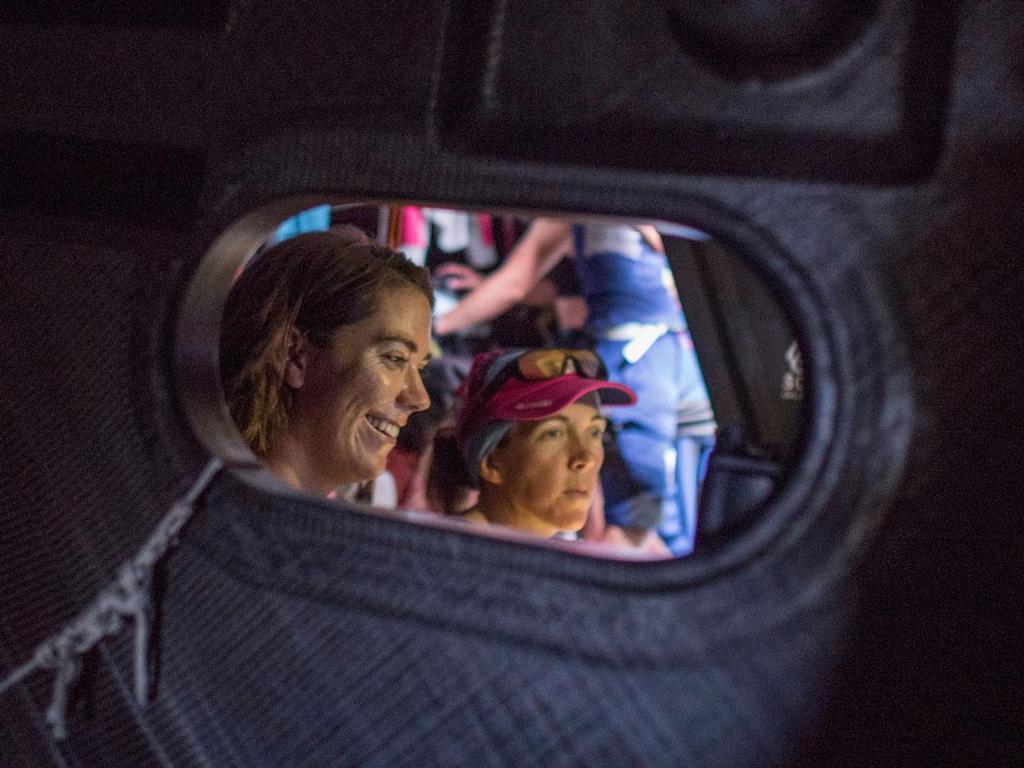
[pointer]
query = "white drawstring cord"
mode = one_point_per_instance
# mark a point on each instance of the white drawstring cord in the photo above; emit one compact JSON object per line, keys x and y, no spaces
{"x":128,"y":597}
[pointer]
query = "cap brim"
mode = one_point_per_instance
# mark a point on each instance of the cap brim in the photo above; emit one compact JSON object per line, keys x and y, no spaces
{"x":534,"y":400}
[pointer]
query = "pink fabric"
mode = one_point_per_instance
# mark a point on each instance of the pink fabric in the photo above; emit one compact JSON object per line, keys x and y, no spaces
{"x":486,"y":228}
{"x":414,"y":226}
{"x":535,"y":400}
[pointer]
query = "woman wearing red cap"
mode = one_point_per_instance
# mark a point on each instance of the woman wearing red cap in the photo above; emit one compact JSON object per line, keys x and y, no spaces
{"x":530,"y":437}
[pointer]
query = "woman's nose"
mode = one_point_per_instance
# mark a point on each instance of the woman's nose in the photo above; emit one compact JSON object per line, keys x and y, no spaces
{"x":414,"y":395}
{"x":581,"y":456}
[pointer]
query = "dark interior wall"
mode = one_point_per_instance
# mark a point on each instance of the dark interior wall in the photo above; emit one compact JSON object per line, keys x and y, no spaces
{"x":874,"y":179}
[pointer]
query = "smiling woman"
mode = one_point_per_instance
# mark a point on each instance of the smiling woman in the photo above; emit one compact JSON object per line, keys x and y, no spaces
{"x":323,"y":340}
{"x":325,"y":343}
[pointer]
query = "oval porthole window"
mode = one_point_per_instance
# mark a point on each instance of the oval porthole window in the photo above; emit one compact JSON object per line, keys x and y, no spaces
{"x":626,"y":388}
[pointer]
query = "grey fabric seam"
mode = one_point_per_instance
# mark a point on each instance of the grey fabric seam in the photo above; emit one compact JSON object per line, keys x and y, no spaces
{"x":127,"y":597}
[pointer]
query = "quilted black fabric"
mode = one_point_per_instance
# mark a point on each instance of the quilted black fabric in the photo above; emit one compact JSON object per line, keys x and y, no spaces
{"x":867,"y":616}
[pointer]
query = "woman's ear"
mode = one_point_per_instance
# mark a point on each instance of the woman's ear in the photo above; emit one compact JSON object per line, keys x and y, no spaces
{"x":296,"y":358}
{"x":492,"y":468}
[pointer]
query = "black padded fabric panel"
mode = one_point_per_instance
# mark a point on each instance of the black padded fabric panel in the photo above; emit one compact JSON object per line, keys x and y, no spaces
{"x":442,"y":667}
{"x":650,"y":73}
{"x":867,"y":615}
{"x":85,"y":476}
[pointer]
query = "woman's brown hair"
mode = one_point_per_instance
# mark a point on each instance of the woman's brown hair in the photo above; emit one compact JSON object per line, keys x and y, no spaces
{"x":315,"y":283}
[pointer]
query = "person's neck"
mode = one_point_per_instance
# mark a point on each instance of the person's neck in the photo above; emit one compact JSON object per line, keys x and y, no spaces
{"x":290,"y":462}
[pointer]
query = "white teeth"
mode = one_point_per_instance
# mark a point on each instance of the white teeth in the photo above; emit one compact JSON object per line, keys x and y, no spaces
{"x":389,"y":428}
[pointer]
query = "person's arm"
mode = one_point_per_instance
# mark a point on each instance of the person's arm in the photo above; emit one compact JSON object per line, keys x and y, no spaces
{"x":536,"y":253}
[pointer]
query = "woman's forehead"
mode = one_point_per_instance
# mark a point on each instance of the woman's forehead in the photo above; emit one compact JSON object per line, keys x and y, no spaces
{"x":579,"y":411}
{"x":403,"y":318}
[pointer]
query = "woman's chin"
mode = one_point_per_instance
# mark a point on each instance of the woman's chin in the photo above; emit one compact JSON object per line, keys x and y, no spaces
{"x":572,"y":518}
{"x":369,"y":457}
{"x":371,"y":460}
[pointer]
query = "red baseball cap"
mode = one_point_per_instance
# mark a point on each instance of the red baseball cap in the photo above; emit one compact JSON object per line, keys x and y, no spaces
{"x":487,"y":411}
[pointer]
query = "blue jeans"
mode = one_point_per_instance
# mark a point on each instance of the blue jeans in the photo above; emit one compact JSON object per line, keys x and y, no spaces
{"x":652,"y":474}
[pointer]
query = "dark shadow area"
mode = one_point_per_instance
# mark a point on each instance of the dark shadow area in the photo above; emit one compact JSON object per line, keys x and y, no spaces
{"x":94,"y":179}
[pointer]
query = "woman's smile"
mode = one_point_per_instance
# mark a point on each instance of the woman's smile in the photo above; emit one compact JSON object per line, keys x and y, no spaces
{"x":385,"y":426}
{"x":354,"y":395}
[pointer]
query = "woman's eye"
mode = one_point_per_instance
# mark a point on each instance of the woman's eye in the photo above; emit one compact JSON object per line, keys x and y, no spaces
{"x":550,"y":434}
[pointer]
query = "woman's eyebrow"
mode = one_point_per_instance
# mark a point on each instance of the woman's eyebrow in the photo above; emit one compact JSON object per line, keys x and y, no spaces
{"x":412,"y":345}
{"x":554,"y":417}
{"x":399,"y":339}
{"x":561,"y":417}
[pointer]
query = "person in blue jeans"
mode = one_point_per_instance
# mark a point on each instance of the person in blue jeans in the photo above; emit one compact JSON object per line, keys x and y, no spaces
{"x":636,"y":325}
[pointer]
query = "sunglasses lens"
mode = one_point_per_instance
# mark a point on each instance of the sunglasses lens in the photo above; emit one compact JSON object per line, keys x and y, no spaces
{"x":549,"y":363}
{"x":543,"y":364}
{"x":590,"y":365}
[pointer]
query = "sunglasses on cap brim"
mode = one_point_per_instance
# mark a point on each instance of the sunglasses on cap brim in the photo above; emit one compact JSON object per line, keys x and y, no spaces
{"x":542,"y":364}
